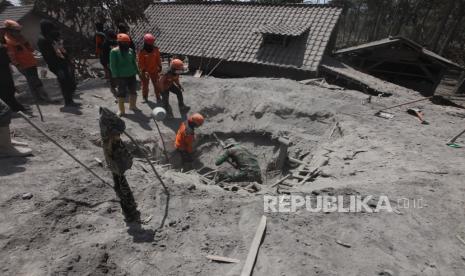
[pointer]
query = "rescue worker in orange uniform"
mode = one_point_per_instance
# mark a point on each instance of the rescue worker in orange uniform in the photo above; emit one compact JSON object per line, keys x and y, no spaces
{"x":99,"y":38}
{"x":150,"y":66}
{"x":185,"y":138}
{"x":21,"y":55}
{"x":169,"y":82}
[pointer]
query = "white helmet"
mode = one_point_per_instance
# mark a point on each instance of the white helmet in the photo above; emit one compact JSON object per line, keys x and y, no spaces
{"x":159,"y":113}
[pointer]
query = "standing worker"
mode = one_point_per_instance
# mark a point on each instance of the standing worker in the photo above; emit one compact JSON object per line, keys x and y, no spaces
{"x":150,"y":66}
{"x":21,"y":55}
{"x":108,"y":45}
{"x":246,"y":163}
{"x":56,"y":56}
{"x":124,"y":68}
{"x":7,"y":91}
{"x":124,"y":29}
{"x":99,"y":38}
{"x":169,"y":82}
{"x":185,"y":138}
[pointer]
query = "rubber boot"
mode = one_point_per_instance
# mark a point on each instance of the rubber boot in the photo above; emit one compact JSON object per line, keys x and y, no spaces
{"x":6,"y":147}
{"x":169,"y":112}
{"x":121,"y":110}
{"x":184,"y":108}
{"x":132,"y":102}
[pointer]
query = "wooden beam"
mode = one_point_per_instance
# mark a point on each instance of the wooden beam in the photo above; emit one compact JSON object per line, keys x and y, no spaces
{"x":222,"y":259}
{"x":400,"y":74}
{"x":250,"y":261}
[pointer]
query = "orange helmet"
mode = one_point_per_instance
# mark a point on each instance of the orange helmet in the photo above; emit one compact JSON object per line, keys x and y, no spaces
{"x":177,"y":64}
{"x":12,"y":25}
{"x":149,"y":39}
{"x":123,"y":38}
{"x":197,"y":119}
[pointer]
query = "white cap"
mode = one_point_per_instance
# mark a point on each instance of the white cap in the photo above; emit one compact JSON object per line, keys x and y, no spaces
{"x":159,"y":113}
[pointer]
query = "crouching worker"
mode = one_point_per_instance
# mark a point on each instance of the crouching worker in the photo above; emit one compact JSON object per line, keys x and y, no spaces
{"x":243,"y":160}
{"x":124,"y":69}
{"x":169,"y":82}
{"x":8,"y":147}
{"x":185,"y":139}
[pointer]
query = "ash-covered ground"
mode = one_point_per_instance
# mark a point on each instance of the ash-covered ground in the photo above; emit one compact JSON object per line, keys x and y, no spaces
{"x":73,"y":223}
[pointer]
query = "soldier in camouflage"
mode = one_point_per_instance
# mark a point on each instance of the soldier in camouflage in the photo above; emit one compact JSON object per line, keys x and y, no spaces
{"x":119,"y":160}
{"x":243,"y":160}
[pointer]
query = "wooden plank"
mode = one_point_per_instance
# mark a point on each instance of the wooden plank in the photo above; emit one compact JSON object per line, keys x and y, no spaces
{"x":296,"y":175}
{"x":343,"y":243}
{"x":297,"y":161}
{"x":460,"y":239}
{"x":250,"y":261}
{"x":222,"y":259}
{"x":281,"y":180}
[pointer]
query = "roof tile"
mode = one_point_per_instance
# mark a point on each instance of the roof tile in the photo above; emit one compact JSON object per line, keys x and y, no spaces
{"x":218,"y":30}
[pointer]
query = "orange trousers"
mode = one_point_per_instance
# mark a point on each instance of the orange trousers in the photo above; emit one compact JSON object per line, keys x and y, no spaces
{"x":146,"y":78}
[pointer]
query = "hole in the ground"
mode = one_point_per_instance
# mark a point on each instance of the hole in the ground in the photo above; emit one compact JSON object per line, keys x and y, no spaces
{"x":263,"y":145}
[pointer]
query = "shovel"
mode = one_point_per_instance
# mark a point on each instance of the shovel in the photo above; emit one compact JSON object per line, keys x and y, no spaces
{"x":452,"y":143}
{"x":383,"y":114}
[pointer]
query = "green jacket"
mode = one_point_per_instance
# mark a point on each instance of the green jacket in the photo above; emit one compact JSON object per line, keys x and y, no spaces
{"x":242,"y":158}
{"x":122,"y":66}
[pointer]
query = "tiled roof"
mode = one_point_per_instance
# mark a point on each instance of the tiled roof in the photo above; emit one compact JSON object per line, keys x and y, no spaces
{"x":281,"y":29}
{"x":229,"y":30}
{"x":15,"y":13}
{"x":397,"y":39}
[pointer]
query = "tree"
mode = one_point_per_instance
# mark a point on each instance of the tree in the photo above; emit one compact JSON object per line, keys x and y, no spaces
{"x":437,"y":24}
{"x":81,"y":16}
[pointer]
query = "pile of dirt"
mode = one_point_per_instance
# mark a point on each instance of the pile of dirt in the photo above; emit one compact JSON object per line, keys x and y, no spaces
{"x":73,"y":223}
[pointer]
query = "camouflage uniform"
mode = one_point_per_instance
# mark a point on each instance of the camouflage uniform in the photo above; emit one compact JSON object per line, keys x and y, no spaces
{"x":246,"y":163}
{"x":119,"y":160}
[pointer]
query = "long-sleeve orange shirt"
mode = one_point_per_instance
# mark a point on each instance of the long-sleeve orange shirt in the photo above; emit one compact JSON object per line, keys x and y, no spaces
{"x":20,"y":52}
{"x":149,"y":62}
{"x":167,"y":80}
{"x":185,"y":138}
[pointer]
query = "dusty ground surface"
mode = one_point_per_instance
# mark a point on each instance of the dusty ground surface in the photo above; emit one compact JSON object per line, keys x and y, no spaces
{"x":73,"y":223}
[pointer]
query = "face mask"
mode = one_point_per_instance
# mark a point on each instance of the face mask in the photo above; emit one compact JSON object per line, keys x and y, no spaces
{"x":148,"y":48}
{"x":124,"y":47}
{"x":178,"y":71}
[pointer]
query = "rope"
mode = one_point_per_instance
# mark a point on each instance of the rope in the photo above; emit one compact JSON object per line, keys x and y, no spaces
{"x":62,"y":148}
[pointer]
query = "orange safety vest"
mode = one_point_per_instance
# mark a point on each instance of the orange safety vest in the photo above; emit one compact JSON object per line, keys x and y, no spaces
{"x":149,"y":62}
{"x":185,"y":138}
{"x":99,"y":39}
{"x":167,"y":80}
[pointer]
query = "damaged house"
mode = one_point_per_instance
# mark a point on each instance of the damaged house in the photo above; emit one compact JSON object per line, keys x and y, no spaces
{"x":400,"y":61}
{"x":247,"y":39}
